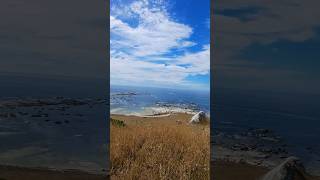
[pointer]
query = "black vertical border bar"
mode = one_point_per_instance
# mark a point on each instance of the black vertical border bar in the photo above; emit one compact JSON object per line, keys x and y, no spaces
{"x":107,"y":42}
{"x":211,"y":83}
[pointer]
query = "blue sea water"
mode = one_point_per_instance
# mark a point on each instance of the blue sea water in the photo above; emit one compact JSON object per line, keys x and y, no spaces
{"x":295,"y":117}
{"x":151,"y":100}
{"x":68,"y":137}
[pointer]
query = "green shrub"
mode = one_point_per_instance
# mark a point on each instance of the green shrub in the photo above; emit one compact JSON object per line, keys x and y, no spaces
{"x":118,"y":123}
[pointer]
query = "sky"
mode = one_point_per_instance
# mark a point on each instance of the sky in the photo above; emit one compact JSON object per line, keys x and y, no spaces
{"x":36,"y":40}
{"x":160,"y":43}
{"x":45,"y":52}
{"x":269,"y":46}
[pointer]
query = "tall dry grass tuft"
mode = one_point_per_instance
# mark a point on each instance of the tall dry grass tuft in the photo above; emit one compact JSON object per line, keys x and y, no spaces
{"x":159,"y":152}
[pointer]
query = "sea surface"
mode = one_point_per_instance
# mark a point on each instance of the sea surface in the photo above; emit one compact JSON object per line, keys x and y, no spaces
{"x":54,"y":123}
{"x":295,"y":117}
{"x":150,"y":100}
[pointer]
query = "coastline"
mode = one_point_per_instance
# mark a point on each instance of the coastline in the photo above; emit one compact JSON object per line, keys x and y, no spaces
{"x":144,"y":116}
{"x":254,"y":147}
{"x":47,"y":137}
{"x":156,"y":111}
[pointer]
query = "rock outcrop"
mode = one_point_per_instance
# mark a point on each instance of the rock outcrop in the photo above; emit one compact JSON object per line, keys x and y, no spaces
{"x":290,"y":169}
{"x":198,"y":118}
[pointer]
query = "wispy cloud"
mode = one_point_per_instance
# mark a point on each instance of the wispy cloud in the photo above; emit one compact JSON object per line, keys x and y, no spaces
{"x":150,"y":47}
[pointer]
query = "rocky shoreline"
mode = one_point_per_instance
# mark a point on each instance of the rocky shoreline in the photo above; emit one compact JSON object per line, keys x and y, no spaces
{"x":257,"y":147}
{"x":122,"y":102}
{"x":37,"y":130}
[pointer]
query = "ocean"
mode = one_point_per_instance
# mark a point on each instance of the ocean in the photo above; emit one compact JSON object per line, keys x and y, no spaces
{"x":55,"y":123}
{"x":295,"y":117}
{"x":150,"y":100}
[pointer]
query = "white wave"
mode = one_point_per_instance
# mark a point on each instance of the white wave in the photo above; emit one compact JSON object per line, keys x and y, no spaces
{"x":168,"y":110}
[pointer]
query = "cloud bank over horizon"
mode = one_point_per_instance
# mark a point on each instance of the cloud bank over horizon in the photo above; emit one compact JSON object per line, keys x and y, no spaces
{"x":150,"y":46}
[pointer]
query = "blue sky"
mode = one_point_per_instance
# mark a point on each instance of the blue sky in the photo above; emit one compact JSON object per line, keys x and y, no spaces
{"x":160,"y":43}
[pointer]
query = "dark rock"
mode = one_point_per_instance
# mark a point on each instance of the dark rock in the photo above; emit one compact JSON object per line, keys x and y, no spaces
{"x":290,"y":169}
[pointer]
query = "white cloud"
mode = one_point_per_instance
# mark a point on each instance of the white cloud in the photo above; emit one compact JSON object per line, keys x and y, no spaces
{"x":127,"y":69}
{"x":144,"y":33}
{"x":275,"y":20}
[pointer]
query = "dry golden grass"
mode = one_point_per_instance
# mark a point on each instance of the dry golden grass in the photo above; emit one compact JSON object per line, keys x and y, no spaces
{"x":159,"y":151}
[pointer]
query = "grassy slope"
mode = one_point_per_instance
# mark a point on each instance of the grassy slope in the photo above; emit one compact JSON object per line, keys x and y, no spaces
{"x":159,"y":148}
